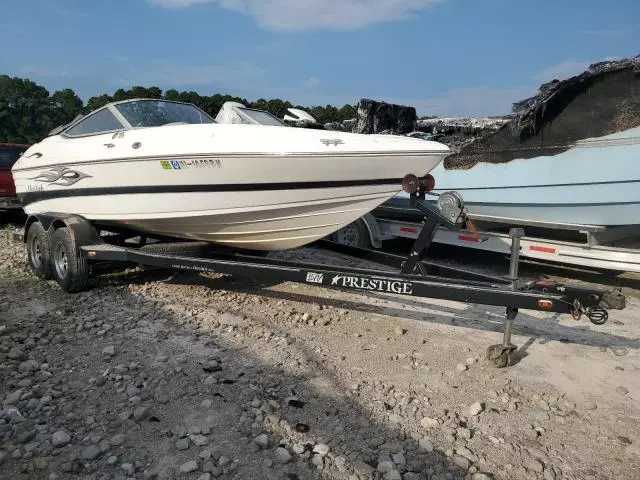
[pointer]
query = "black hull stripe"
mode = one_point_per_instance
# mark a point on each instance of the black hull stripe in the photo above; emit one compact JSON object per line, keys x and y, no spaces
{"x":30,"y":197}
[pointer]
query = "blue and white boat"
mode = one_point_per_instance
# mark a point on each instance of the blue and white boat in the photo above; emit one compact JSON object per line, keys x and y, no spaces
{"x":594,"y":182}
{"x":569,"y":156}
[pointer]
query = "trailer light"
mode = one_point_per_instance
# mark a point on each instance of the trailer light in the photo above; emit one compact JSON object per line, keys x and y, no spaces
{"x":536,"y":248}
{"x":91,"y":253}
{"x":546,"y":304}
{"x":469,"y":238}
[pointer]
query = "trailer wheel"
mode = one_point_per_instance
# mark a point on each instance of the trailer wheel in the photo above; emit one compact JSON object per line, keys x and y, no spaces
{"x":353,"y":235}
{"x":70,"y":268}
{"x":39,"y":251}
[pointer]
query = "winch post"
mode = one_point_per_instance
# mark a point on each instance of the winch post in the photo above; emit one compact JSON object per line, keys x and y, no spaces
{"x":516,"y":234}
{"x":433,"y":219}
{"x":422,"y":243}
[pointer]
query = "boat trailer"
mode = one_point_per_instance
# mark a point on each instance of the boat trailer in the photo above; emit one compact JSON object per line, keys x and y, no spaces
{"x":69,"y":248}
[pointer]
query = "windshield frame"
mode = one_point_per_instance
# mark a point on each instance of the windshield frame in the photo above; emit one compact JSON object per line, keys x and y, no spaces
{"x":68,"y":127}
{"x":122,"y":119}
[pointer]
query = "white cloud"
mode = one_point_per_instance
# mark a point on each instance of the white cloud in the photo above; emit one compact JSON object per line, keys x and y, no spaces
{"x":272,"y":48}
{"x":65,"y":12}
{"x":568,"y":68}
{"x":465,"y":101}
{"x":314,"y":14}
{"x":116,"y":57}
{"x":114,"y":71}
{"x":51,"y":71}
{"x":562,"y":70}
{"x":606,"y":33}
{"x":167,"y":74}
{"x":313,"y":82}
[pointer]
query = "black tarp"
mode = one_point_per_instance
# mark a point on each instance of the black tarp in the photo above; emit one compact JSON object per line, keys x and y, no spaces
{"x":604,"y":99}
{"x":382,"y":117}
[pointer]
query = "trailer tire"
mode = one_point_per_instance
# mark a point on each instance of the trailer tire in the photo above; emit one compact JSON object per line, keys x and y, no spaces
{"x":39,"y":251}
{"x":353,"y":235}
{"x":69,"y":267}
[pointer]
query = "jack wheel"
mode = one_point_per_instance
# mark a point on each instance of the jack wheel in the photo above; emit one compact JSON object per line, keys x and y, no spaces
{"x":502,"y":356}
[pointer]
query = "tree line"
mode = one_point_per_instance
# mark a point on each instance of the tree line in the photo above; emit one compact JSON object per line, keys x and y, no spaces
{"x":28,"y":112}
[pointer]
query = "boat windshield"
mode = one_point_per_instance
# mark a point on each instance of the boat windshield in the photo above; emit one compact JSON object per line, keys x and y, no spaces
{"x":155,"y":113}
{"x":262,"y":118}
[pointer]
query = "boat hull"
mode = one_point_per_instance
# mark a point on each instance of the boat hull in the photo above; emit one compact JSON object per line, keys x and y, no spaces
{"x":225,"y":200}
{"x":276,"y":226}
{"x":596,"y":182}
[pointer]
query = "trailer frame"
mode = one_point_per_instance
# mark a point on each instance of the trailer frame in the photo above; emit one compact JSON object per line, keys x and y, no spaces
{"x":66,"y":247}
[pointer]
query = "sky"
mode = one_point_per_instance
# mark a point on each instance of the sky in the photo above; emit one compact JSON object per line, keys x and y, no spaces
{"x":445,"y":57}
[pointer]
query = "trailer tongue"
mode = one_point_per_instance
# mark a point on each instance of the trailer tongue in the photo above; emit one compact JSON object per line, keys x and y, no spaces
{"x":67,"y":248}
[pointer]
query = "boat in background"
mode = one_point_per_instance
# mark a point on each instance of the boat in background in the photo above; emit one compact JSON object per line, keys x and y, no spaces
{"x":594,"y":182}
{"x":234,"y":113}
{"x":167,"y":168}
{"x":299,"y":117}
{"x":569,"y":156}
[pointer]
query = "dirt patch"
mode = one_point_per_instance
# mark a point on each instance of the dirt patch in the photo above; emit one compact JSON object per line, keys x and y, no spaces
{"x":171,"y":375}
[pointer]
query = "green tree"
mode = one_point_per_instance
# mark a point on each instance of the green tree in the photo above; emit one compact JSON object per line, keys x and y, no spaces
{"x":143,"y":92}
{"x":96,"y":102}
{"x":66,"y":105}
{"x":346,"y":112}
{"x":171,"y":94}
{"x":26,"y":113}
{"x":260,"y":104}
{"x":190,"y":97}
{"x":120,"y":94}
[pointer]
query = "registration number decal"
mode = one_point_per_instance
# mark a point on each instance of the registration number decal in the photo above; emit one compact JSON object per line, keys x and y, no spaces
{"x":186,"y":164}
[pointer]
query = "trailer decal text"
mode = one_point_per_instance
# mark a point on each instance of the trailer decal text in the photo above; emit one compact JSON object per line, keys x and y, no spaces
{"x":380,"y":285}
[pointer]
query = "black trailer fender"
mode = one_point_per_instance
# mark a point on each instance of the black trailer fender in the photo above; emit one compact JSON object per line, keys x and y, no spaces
{"x":83,"y":231}
{"x":373,"y":228}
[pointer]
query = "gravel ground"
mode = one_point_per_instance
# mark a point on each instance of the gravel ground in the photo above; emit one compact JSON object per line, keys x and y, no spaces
{"x":185,"y":376}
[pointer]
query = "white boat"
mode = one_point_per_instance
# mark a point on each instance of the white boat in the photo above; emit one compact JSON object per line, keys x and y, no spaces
{"x":167,"y":168}
{"x":594,"y":182}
